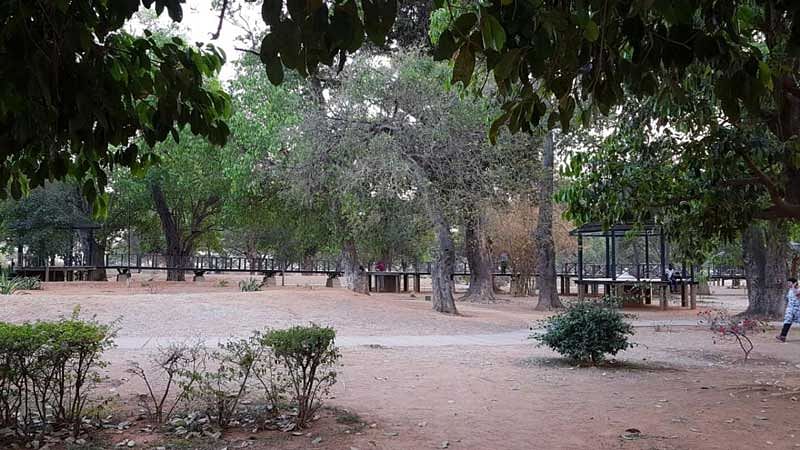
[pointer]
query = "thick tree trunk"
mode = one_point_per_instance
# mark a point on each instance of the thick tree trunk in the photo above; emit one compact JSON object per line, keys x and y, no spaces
{"x":443,"y":264}
{"x":175,"y":250}
{"x":546,"y":258}
{"x":795,"y":265}
{"x":99,"y":261}
{"x":479,"y":256}
{"x":97,"y":257}
{"x":355,"y":277}
{"x":765,"y":256}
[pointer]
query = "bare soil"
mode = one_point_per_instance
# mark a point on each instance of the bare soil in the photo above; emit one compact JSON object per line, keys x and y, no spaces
{"x":679,"y":387}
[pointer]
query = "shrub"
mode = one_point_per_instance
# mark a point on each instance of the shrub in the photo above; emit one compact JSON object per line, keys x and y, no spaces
{"x":176,"y":365}
{"x":29,"y":283}
{"x":724,"y":325}
{"x":8,"y":285}
{"x":586,"y":332}
{"x":309,"y":355}
{"x":250,"y":285}
{"x":47,"y":371}
{"x":227,"y":383}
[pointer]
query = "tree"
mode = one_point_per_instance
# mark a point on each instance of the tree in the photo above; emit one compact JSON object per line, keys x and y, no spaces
{"x":693,"y":188}
{"x":393,"y":131}
{"x":75,"y":90}
{"x":42,"y":221}
{"x":186,"y":192}
{"x":546,"y":259}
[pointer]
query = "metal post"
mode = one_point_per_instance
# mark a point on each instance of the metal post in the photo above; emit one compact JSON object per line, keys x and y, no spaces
{"x":613,"y":255}
{"x":663,"y":254}
{"x":647,"y":254}
{"x":580,"y":257}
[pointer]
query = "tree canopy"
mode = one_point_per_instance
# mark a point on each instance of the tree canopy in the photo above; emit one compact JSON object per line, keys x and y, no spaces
{"x":75,"y":89}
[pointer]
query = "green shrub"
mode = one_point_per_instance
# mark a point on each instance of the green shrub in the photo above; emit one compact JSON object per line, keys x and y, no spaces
{"x":309,"y":356}
{"x":29,"y":283}
{"x":8,"y":285}
{"x":250,"y":285}
{"x":586,"y":332}
{"x":47,"y":371}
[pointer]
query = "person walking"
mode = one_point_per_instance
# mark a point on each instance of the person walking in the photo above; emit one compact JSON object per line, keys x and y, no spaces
{"x":792,"y":314}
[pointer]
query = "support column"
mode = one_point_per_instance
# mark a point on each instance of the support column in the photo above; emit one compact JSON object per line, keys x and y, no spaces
{"x":417,"y":279}
{"x":663,"y":290}
{"x":683,"y":294}
{"x":693,"y":296}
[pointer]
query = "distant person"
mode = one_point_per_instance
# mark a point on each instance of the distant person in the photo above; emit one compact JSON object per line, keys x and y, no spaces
{"x":792,"y":314}
{"x":380,"y":266}
{"x":672,"y":277}
{"x":503,"y":262}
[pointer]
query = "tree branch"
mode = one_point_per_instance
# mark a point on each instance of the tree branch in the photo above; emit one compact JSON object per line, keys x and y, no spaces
{"x":215,"y":35}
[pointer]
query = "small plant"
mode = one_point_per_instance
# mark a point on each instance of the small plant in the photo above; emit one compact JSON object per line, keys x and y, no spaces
{"x":176,"y":365}
{"x":227,"y":383}
{"x":250,"y":285}
{"x":586,"y":332}
{"x":9,"y":285}
{"x":309,"y":355}
{"x":29,"y":283}
{"x":223,"y":283}
{"x":725,"y":326}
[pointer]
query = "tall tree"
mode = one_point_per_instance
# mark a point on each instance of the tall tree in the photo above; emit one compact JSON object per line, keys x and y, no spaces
{"x":186,"y":192}
{"x":546,"y":260}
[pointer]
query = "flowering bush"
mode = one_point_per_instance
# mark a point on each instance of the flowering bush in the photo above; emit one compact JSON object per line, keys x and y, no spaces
{"x":726,"y":326}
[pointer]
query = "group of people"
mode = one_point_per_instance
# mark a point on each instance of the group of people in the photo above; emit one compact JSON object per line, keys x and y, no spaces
{"x":792,"y":314}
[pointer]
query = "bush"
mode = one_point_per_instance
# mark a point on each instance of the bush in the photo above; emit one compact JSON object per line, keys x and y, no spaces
{"x":724,"y":325}
{"x":250,"y":285}
{"x":47,"y":371}
{"x":309,"y":355}
{"x":586,"y":332}
{"x":9,"y":285}
{"x":29,"y":283}
{"x":175,"y":365}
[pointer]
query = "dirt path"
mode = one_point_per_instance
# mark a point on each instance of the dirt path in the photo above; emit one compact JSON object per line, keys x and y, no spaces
{"x":475,"y":381}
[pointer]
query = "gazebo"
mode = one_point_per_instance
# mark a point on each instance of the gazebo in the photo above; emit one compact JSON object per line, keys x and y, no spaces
{"x":643,"y":276}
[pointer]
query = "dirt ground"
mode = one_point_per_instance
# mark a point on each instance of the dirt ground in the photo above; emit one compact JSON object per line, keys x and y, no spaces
{"x":422,"y":380}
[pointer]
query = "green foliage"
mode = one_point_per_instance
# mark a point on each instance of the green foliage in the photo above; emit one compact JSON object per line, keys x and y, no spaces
{"x":29,"y":283}
{"x":42,"y":220}
{"x":309,"y":355}
{"x":586,"y":332}
{"x":48,"y":371}
{"x":250,"y":285}
{"x":294,"y":40}
{"x":75,"y":89}
{"x":8,"y":284}
{"x":223,"y":387}
{"x":173,"y":366}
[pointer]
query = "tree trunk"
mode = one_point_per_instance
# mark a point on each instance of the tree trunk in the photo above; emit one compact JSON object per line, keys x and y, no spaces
{"x":765,"y":255}
{"x":97,"y":258}
{"x":175,"y":250}
{"x":479,"y":256}
{"x":443,"y":264}
{"x":546,"y":258}
{"x":795,"y":265}
{"x":99,"y":261}
{"x":355,"y":277}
